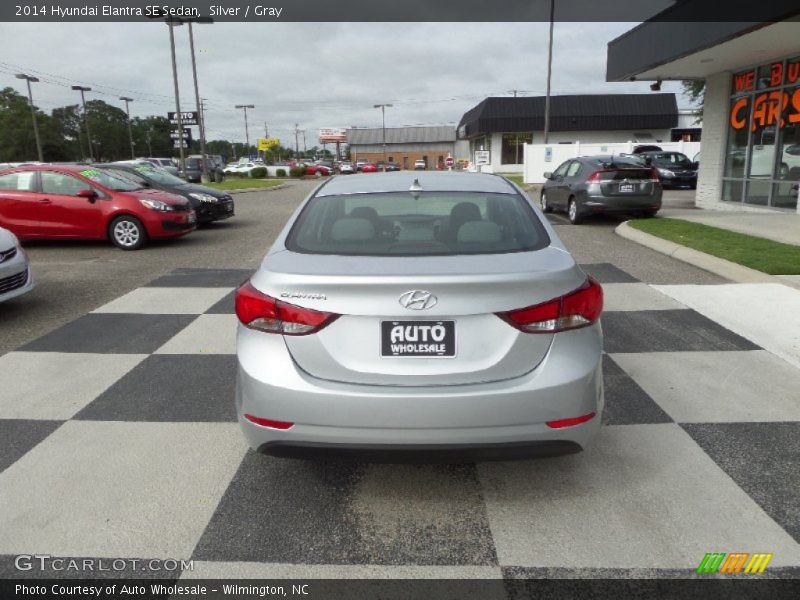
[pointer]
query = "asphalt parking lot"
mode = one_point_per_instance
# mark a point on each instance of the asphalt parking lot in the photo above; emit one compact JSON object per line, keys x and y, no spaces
{"x":122,"y":442}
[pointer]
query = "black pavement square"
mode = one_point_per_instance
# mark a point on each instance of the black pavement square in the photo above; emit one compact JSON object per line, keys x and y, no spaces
{"x":608,"y":273}
{"x":19,"y":436}
{"x":170,"y":387}
{"x":321,"y":512}
{"x":106,"y":333}
{"x":679,"y":330}
{"x":763,"y":459}
{"x":626,"y":402}
{"x":225,"y":306}
{"x":202,"y":278}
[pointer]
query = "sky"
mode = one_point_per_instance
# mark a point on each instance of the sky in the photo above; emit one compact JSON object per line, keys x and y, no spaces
{"x":313,"y":74}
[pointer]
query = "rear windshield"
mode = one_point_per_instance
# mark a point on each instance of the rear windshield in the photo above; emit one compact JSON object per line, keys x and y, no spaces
{"x":433,"y":223}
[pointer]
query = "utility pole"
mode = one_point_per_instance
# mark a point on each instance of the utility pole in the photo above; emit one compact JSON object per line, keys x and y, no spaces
{"x":83,"y":89}
{"x":172,"y":23}
{"x":305,"y":148}
{"x":130,"y":131}
{"x":200,"y":122}
{"x":549,"y":72}
{"x":30,"y":80}
{"x":246,"y":132}
{"x":296,"y":144}
{"x":383,"y":108}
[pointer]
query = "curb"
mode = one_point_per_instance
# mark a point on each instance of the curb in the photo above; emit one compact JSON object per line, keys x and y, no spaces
{"x":718,"y":266}
{"x":257,"y":189}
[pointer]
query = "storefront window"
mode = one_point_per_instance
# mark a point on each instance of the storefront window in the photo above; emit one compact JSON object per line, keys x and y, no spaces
{"x":732,"y":191}
{"x":737,"y":137}
{"x":513,"y":147}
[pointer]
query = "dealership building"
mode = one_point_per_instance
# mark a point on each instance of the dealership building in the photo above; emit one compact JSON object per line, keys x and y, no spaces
{"x":503,"y":125}
{"x":404,"y":145}
{"x":750,"y":146}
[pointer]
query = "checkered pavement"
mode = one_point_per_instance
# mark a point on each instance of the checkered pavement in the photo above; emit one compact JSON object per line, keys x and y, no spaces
{"x":120,"y":441}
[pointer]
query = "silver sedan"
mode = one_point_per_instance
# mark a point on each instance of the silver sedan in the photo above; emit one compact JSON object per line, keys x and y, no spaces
{"x":15,"y":275}
{"x":419,"y":314}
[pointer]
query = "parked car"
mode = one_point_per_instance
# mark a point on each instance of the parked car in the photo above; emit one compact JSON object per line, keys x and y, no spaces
{"x":498,"y":354}
{"x":646,"y":148}
{"x":167,"y":164}
{"x":208,"y":204}
{"x":239,"y":168}
{"x":420,"y":165}
{"x":194,"y":169}
{"x":591,"y":185}
{"x":80,"y":202}
{"x":15,"y":273}
{"x":323,"y":169}
{"x":392,"y":166}
{"x":346,"y":168}
{"x":674,"y":168}
{"x":369,"y":168}
{"x":360,"y":163}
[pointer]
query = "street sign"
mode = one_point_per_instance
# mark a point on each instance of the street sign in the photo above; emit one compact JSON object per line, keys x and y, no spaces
{"x":331,"y":135}
{"x":449,"y":161}
{"x":179,"y":143}
{"x":548,"y":154}
{"x":187,"y":118}
{"x":482,"y":157}
{"x":187,"y":134}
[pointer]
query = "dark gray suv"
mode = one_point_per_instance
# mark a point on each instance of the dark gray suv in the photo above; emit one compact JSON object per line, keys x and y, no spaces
{"x":590,"y":185}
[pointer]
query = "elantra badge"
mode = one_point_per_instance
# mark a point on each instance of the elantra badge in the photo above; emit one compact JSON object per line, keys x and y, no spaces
{"x":418,"y":300}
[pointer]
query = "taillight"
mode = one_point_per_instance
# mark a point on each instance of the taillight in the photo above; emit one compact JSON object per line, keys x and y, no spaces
{"x":594,"y":177}
{"x":576,"y":309}
{"x":264,"y":313}
{"x":654,"y":175}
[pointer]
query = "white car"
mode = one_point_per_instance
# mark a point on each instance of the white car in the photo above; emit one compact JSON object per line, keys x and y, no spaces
{"x":241,"y":168}
{"x":15,"y":274}
{"x":420,"y":165}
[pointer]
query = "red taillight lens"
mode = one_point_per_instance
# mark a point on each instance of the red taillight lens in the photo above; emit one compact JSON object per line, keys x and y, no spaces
{"x":269,"y":422}
{"x":576,"y":309}
{"x":571,"y":422}
{"x":654,"y":175}
{"x":264,"y":313}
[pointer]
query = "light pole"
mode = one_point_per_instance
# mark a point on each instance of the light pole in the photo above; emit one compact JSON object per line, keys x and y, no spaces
{"x":200,"y":117}
{"x":30,"y":80}
{"x":130,"y":131}
{"x":83,"y":89}
{"x":383,"y":108}
{"x":246,"y":132}
{"x":549,"y":71}
{"x":172,"y":23}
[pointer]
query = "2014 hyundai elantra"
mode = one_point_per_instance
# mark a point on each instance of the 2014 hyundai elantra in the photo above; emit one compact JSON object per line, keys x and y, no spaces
{"x":429,"y":312}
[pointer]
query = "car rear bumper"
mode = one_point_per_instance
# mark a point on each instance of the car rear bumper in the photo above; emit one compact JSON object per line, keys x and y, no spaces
{"x":609,"y":204}
{"x":491,"y":420}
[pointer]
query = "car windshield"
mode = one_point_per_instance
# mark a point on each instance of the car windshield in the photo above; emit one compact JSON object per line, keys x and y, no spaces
{"x":675,"y":159}
{"x":424,"y":224}
{"x":110,"y":181}
{"x":159,"y":176}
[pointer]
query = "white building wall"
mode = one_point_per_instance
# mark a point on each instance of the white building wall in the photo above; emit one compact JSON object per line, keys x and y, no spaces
{"x":712,"y":148}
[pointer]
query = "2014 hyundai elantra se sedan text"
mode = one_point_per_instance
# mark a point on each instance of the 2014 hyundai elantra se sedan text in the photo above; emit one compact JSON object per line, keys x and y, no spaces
{"x":430,"y":312}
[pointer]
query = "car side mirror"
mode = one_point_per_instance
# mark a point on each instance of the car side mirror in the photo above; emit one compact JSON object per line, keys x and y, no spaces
{"x":90,"y":195}
{"x":548,"y":174}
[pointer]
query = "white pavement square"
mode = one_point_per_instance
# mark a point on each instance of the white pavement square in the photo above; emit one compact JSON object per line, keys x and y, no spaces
{"x":112,"y":489}
{"x":208,"y":334}
{"x":636,"y":296}
{"x":718,"y":387}
{"x":624,"y":503}
{"x":166,"y":301}
{"x":767,"y":314}
{"x":55,"y":385}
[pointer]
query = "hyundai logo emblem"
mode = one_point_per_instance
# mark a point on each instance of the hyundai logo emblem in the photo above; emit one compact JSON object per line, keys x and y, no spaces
{"x":418,"y":300}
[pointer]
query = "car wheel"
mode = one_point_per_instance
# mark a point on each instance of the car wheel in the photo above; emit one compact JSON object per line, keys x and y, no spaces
{"x":649,"y":214}
{"x":545,"y":206}
{"x":572,"y":212}
{"x":127,"y":232}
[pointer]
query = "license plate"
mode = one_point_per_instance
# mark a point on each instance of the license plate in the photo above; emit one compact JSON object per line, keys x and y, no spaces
{"x":625,"y":187}
{"x":432,"y":339}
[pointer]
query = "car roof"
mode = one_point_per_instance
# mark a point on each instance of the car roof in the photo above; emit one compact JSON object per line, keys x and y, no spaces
{"x":609,"y":158}
{"x":401,"y":181}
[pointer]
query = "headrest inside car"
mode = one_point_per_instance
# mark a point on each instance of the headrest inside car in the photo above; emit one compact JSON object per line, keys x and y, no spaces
{"x":352,"y":230}
{"x":473,"y":232}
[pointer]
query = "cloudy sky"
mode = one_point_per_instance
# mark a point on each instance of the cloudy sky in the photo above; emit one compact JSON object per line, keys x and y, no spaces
{"x":313,"y":74}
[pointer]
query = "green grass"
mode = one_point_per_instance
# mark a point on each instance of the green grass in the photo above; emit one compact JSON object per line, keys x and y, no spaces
{"x":757,"y":253}
{"x":516,"y":178}
{"x":244,"y":183}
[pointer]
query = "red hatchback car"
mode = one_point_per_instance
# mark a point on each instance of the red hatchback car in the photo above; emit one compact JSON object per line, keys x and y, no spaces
{"x":78,"y":202}
{"x":369,"y":168}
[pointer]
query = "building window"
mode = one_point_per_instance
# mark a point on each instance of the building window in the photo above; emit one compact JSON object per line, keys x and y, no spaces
{"x":762,"y":163}
{"x":513,"y":143}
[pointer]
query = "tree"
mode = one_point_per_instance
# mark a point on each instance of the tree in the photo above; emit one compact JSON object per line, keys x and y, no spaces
{"x":695,"y":90}
{"x":151,"y":136}
{"x":17,"y":140}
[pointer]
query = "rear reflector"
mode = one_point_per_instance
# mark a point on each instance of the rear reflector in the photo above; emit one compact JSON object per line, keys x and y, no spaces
{"x":579,"y":308}
{"x":571,"y":422}
{"x":269,"y":422}
{"x":264,"y":313}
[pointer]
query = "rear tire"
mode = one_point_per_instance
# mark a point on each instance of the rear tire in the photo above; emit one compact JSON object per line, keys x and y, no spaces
{"x":572,"y":212}
{"x":127,"y":233}
{"x":545,"y":207}
{"x":649,"y":214}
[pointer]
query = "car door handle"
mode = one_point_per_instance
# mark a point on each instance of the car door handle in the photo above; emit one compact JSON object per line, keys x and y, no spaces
{"x":45,"y":201}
